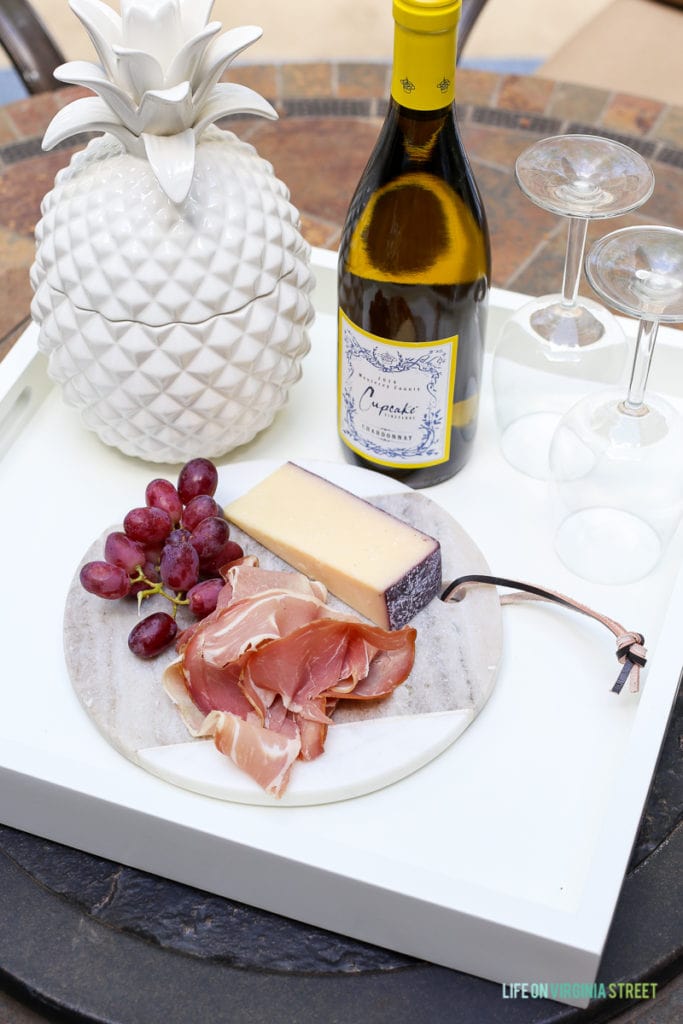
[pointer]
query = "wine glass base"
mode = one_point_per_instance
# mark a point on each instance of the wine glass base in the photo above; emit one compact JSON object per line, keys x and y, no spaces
{"x":525,"y":444}
{"x":608,"y":545}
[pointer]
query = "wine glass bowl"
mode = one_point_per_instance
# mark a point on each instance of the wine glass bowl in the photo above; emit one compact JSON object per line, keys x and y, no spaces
{"x":616,"y":487}
{"x":558,"y":347}
{"x":616,"y":458}
{"x":536,"y":380}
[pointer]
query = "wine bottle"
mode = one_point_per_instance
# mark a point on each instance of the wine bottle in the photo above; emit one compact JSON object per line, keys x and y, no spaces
{"x":414,"y":268}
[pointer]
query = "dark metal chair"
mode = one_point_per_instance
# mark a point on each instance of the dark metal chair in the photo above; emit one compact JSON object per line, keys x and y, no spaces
{"x":29,"y":46}
{"x":471,"y":9}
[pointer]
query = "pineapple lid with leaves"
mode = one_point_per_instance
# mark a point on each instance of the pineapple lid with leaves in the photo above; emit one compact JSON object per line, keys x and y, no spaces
{"x":165,"y":218}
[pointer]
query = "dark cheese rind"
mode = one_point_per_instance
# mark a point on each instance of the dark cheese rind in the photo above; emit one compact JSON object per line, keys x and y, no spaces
{"x":409,"y":595}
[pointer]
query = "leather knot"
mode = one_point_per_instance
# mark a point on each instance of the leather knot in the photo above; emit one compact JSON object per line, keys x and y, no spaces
{"x":631,"y":653}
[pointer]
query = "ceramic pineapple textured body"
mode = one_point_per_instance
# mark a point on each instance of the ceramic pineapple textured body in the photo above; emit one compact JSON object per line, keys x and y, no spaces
{"x":175,"y":322}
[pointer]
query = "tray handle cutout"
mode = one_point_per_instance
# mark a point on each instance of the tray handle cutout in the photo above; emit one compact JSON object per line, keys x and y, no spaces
{"x":17,"y":408}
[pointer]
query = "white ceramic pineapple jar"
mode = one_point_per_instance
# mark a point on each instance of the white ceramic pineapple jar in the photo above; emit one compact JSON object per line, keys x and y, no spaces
{"x":172,"y":284}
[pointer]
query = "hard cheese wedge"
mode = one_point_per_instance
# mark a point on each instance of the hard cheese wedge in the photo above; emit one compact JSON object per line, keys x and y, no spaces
{"x":375,"y":563}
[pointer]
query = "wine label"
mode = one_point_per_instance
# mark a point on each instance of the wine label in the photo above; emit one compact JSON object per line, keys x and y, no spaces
{"x":395,"y":398}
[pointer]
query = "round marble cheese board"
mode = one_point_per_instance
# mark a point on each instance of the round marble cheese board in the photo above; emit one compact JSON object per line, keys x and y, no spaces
{"x":370,"y":745}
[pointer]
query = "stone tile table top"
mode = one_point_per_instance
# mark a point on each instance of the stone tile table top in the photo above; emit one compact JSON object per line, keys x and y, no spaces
{"x":330,"y":115}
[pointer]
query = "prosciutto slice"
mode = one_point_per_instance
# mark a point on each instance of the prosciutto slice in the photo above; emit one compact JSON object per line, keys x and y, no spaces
{"x":263,"y":673}
{"x":264,"y":754}
{"x":335,"y":657}
{"x":247,"y":580}
{"x":213,"y":657}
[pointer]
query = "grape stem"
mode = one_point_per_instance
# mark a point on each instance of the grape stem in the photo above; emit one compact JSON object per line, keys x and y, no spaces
{"x":156,"y":588}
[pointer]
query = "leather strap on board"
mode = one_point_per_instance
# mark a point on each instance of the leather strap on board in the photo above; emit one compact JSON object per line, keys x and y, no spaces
{"x":631,"y":653}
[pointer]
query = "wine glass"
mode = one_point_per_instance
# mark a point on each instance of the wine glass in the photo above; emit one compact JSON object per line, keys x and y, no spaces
{"x":557,"y":347}
{"x":617,"y":458}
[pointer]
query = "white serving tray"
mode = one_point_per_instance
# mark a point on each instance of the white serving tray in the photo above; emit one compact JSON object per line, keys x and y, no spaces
{"x":502,"y":858}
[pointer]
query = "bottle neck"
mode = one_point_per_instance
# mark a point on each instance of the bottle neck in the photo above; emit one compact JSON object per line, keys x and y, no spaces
{"x":423,"y":74}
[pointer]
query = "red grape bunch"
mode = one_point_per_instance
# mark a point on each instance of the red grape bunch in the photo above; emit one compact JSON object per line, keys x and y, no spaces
{"x":175,"y":545}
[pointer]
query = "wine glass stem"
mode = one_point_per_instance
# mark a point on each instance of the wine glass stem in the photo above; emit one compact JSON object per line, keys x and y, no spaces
{"x":642,"y":360}
{"x":576,"y":243}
